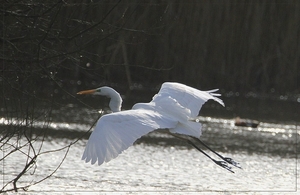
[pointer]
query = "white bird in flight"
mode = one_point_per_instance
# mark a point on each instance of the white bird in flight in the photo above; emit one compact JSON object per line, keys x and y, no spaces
{"x":175,"y":108}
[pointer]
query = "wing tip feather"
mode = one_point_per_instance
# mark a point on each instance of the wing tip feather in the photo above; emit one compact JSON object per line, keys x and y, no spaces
{"x":215,"y":96}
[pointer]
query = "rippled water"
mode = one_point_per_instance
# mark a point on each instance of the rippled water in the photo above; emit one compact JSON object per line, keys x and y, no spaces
{"x":158,"y":163}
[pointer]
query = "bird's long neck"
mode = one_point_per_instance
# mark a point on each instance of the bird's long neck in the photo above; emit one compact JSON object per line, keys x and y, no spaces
{"x":115,"y":103}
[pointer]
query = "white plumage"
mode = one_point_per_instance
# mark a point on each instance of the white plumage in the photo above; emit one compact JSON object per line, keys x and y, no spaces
{"x":172,"y":108}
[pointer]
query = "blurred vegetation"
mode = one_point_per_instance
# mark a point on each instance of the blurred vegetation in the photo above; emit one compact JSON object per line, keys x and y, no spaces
{"x":52,"y":46}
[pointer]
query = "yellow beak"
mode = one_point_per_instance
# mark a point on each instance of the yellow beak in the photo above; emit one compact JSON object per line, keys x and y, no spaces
{"x":87,"y":91}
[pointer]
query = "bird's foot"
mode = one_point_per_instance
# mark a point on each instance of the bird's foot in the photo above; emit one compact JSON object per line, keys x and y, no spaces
{"x":231,"y":161}
{"x":224,"y":165}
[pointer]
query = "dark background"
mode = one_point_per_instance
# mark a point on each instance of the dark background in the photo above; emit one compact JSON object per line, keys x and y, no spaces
{"x":59,"y":47}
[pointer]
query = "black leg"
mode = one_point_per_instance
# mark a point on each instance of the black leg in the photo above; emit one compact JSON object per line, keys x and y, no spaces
{"x":223,"y":164}
{"x":229,"y":160}
{"x":220,"y":163}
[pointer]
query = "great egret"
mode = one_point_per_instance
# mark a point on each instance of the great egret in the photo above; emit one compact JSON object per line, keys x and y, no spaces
{"x":175,"y":108}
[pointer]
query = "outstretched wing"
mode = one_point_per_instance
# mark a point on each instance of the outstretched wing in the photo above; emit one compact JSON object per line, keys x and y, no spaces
{"x":115,"y":132}
{"x":186,"y":96}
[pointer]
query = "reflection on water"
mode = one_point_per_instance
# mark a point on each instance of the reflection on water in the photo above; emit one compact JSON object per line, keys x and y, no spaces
{"x":279,"y":139}
{"x":148,"y":167}
{"x":158,"y":162}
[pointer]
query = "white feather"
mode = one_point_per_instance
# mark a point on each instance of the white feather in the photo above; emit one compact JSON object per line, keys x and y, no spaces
{"x":115,"y":132}
{"x":171,"y":109}
{"x":186,"y":96}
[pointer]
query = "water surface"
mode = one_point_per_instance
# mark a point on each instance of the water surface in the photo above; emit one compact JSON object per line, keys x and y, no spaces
{"x":158,"y":163}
